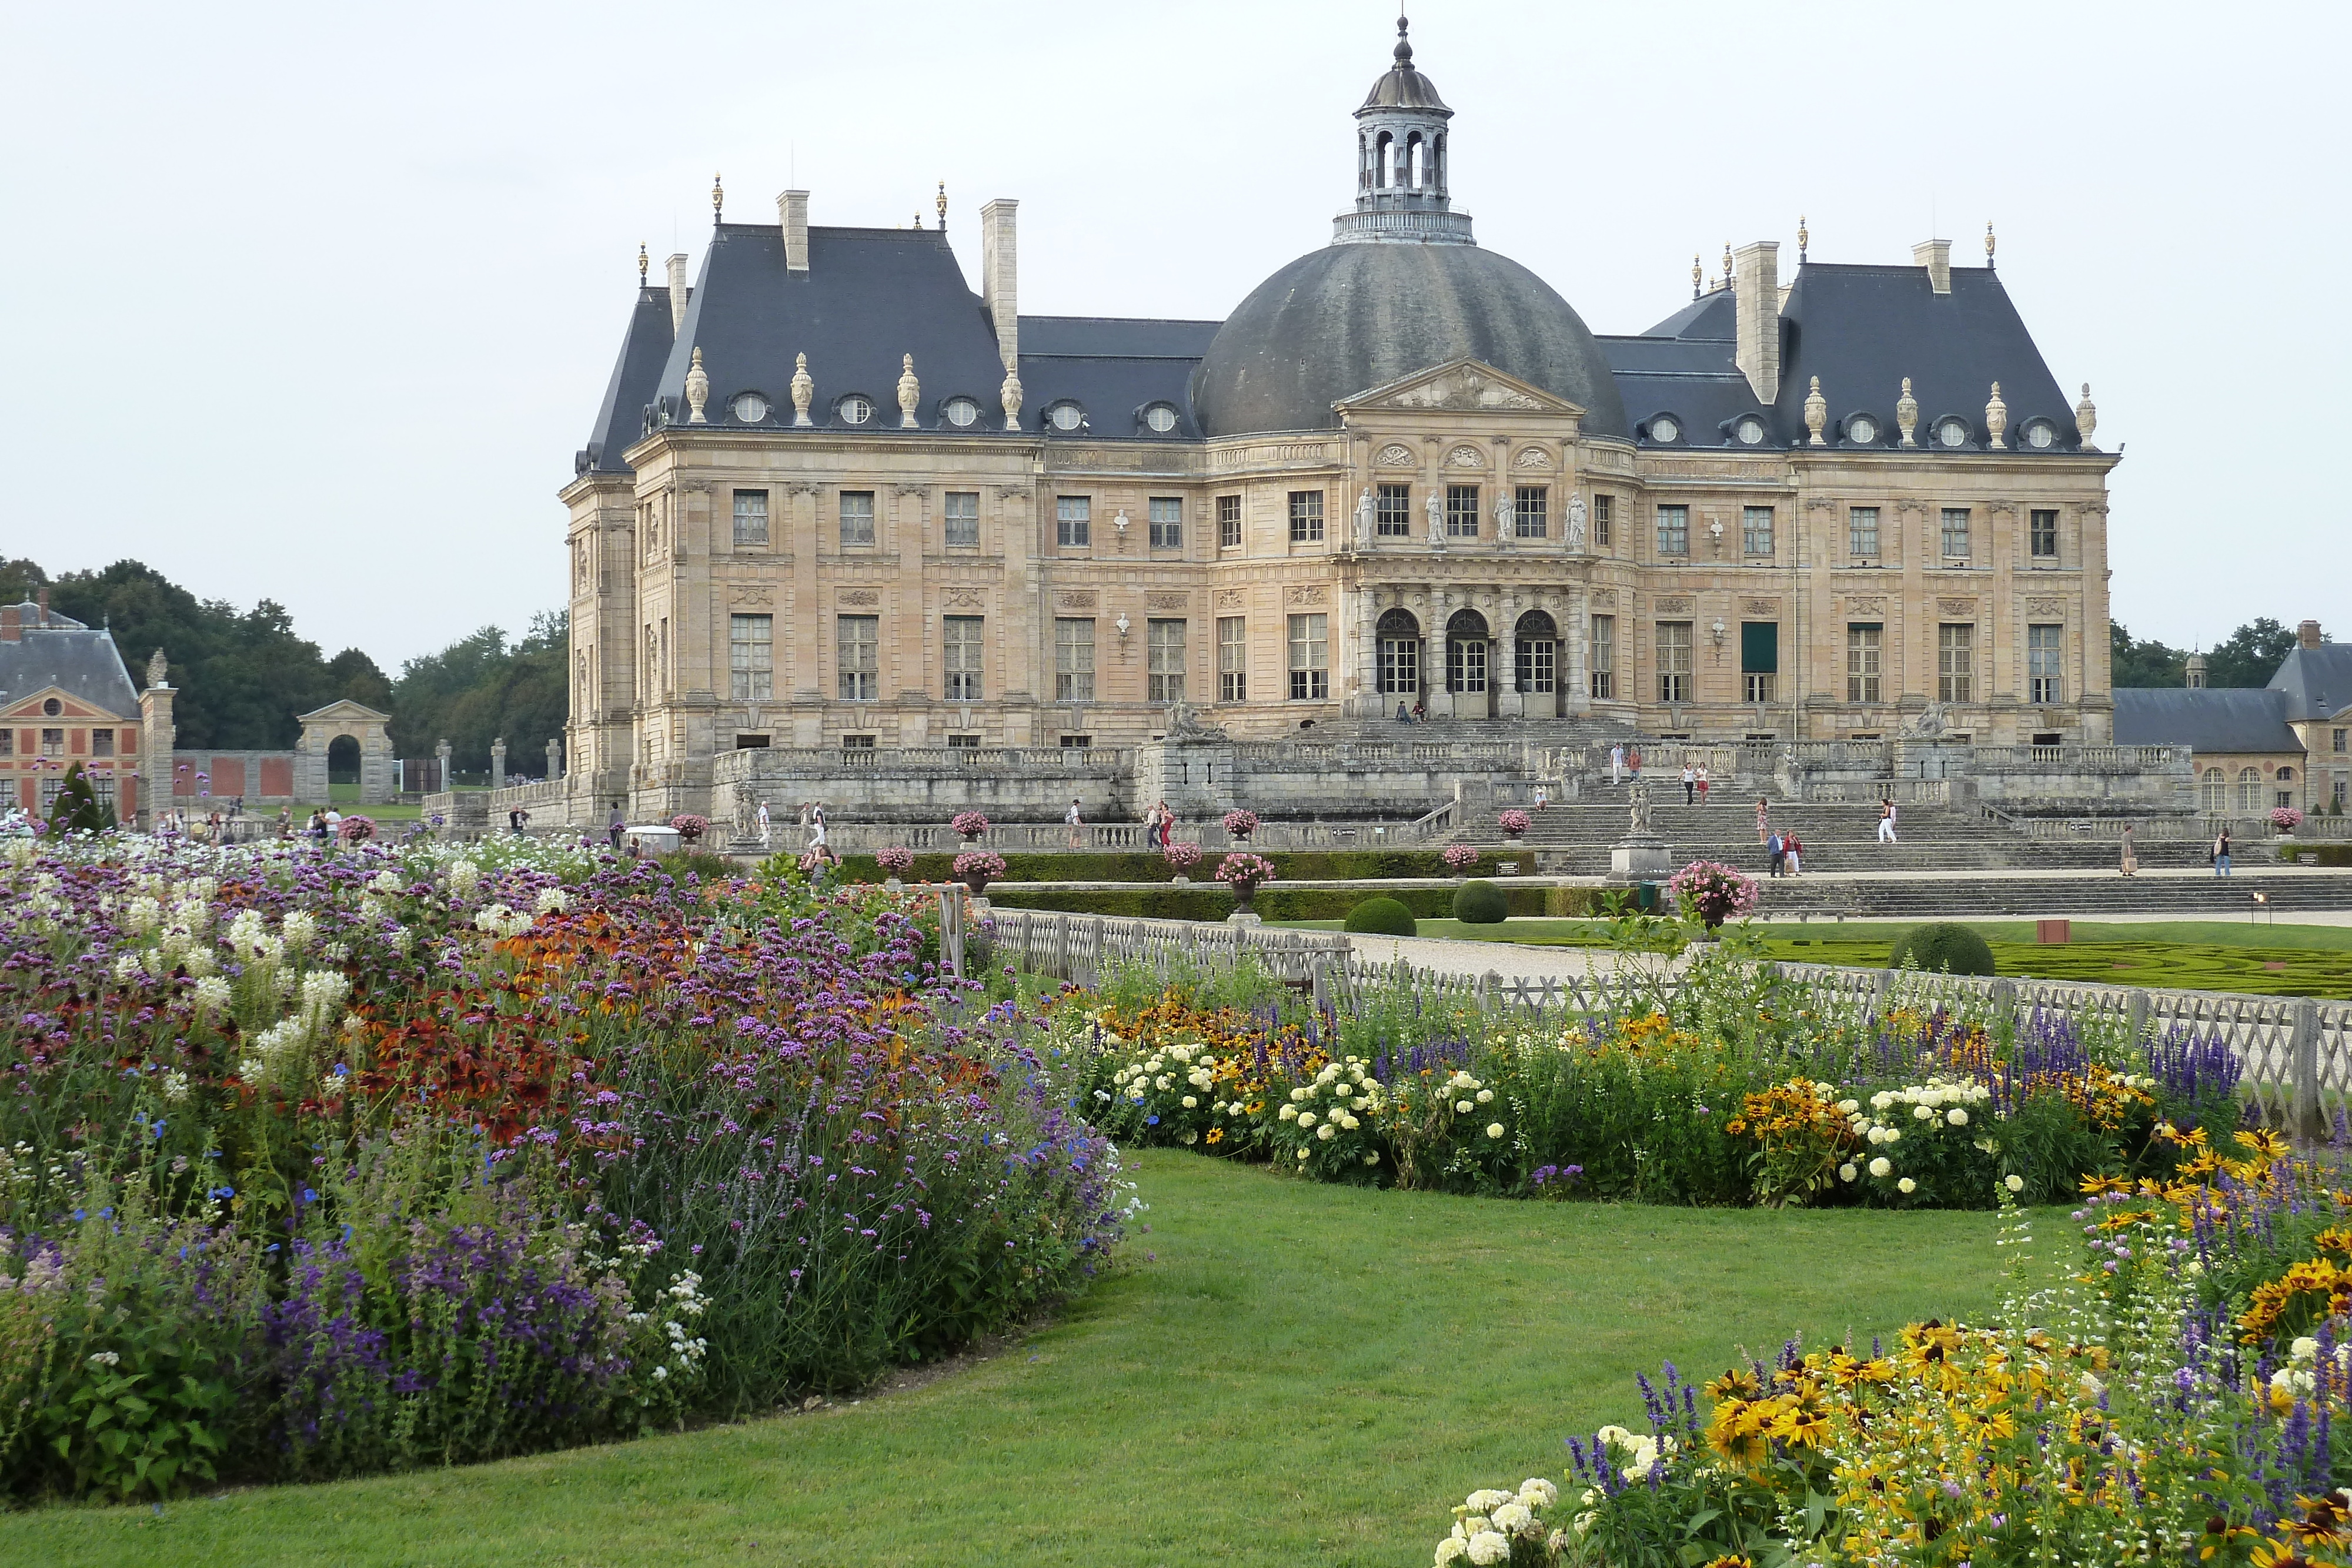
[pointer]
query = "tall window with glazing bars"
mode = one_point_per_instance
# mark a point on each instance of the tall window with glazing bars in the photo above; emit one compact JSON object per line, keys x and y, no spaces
{"x":750,"y":657}
{"x":1164,"y":660}
{"x":961,"y":657}
{"x":857,"y":649}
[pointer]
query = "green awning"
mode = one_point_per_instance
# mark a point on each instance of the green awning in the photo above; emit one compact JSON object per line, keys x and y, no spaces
{"x":1759,"y":647}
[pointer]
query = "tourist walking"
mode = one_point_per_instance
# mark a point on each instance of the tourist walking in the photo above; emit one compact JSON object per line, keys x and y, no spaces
{"x":2222,"y":853}
{"x":1778,"y":849}
{"x":334,"y":823}
{"x":1076,"y":824}
{"x":1617,"y":763}
{"x":1794,"y":849}
{"x":760,"y":815}
{"x":1763,"y":820}
{"x":1634,"y":763}
{"x":1404,"y":714}
{"x":613,"y":825}
{"x":318,"y":827}
{"x":1886,"y":822}
{"x":2131,"y":855}
{"x":1702,"y":783}
{"x":1690,"y":785}
{"x":285,"y":822}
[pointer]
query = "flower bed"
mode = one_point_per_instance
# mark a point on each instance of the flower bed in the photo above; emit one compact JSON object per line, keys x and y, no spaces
{"x":420,"y":1157}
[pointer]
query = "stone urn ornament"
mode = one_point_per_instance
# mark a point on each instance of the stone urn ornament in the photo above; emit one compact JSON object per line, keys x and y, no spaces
{"x":977,"y":868}
{"x":698,"y":390}
{"x":1244,"y":872}
{"x":1240,"y":825}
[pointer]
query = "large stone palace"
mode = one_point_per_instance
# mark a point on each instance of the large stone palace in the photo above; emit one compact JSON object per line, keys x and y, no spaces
{"x":835,"y":499}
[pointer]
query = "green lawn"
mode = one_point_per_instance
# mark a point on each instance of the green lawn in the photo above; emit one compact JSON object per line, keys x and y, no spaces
{"x":1304,"y":1375}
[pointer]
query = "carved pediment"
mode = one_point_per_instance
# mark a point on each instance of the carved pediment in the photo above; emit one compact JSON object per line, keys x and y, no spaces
{"x":1461,"y":385}
{"x":1396,"y":455}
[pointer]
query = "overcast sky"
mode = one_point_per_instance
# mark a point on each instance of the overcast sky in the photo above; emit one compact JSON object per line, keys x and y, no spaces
{"x":314,"y":303}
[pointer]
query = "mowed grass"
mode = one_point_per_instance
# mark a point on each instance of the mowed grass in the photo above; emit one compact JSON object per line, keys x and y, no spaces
{"x":1304,"y":1375}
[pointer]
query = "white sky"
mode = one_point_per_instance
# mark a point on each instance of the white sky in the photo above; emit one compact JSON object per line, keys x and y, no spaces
{"x":315,"y":304}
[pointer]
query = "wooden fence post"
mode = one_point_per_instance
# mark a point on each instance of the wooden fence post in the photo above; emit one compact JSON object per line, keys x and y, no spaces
{"x":2136,"y":1012}
{"x":2302,"y":1051}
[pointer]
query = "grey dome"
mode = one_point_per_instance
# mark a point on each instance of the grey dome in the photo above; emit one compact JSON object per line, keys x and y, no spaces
{"x":1350,"y":318}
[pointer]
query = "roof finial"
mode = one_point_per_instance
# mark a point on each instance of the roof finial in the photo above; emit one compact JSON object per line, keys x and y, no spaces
{"x":918,"y":217}
{"x":644,"y":261}
{"x":1697,"y":274}
{"x":1987,"y":244}
{"x":1802,"y":239}
{"x":717,"y":197}
{"x":1404,"y":45}
{"x":942,"y":204}
{"x":1726,"y":263}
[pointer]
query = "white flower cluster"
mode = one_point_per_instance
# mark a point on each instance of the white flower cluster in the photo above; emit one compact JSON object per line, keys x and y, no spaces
{"x":1917,"y":1110}
{"x":1161,"y":1069}
{"x":1639,"y":1450}
{"x":465,"y":876}
{"x":1486,"y":1522}
{"x":1328,"y":1106}
{"x":499,"y":920}
{"x":551,"y":901}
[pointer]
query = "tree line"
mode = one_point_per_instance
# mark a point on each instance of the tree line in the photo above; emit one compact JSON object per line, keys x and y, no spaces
{"x":2248,"y":656}
{"x":242,"y":675}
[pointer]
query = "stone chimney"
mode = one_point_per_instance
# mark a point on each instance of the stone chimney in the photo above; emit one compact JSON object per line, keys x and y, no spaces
{"x":678,"y":291}
{"x":792,"y":216}
{"x":2307,"y":634}
{"x":2196,"y":672}
{"x":999,"y":276}
{"x":1756,"y":292}
{"x":45,"y":615}
{"x":1935,"y":256}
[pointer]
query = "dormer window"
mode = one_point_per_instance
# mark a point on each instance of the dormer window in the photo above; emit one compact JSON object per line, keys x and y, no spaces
{"x":1748,"y":431}
{"x":961,"y":412}
{"x":855,"y":409}
{"x":748,"y":408}
{"x":1665,"y":429}
{"x":1065,"y":416}
{"x":1952,"y":431}
{"x":1160,"y":418}
{"x":1861,"y":430}
{"x":2040,"y":435}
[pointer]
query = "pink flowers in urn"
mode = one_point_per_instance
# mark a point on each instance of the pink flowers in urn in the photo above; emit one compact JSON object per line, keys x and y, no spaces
{"x":1460,"y":858}
{"x":1242,"y":872}
{"x":357,"y":830}
{"x":2285,"y":819}
{"x":896,"y":859}
{"x":968,"y":825}
{"x":1182,"y":856}
{"x":1715,"y":892}
{"x":1241,"y":825}
{"x":977,"y":868}
{"x":1515,"y":822}
{"x":690,"y":826}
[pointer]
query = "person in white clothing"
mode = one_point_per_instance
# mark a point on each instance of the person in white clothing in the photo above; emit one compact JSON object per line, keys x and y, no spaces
{"x":1886,"y":822}
{"x":1690,"y":785}
{"x":1075,"y":823}
{"x":1543,"y":798}
{"x":762,"y":815}
{"x":1617,"y":763}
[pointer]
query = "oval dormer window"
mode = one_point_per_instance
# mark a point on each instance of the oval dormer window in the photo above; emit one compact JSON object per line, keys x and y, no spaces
{"x":855,"y":410}
{"x":1665,"y":430}
{"x":1861,"y":430}
{"x":1749,"y":431}
{"x":1952,"y":431}
{"x":2041,"y":434}
{"x":1065,"y":416}
{"x":1160,"y":418}
{"x":749,"y":408}
{"x":961,"y":413}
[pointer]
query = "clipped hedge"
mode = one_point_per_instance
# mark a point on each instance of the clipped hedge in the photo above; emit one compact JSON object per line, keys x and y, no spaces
{"x":1274,"y":903}
{"x":1481,"y":903}
{"x":1381,"y":917}
{"x":1303,"y":865}
{"x":2317,"y":854}
{"x":1943,"y":946}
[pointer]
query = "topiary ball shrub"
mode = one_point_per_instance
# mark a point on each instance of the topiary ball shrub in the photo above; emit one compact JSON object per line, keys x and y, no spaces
{"x":1481,"y":903}
{"x":1381,"y":917}
{"x":1943,"y":946}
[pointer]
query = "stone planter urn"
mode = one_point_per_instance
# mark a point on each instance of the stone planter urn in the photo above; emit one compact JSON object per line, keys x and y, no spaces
{"x":1179,"y":880}
{"x":976,"y":882}
{"x":892,"y":884}
{"x":1245,"y":894}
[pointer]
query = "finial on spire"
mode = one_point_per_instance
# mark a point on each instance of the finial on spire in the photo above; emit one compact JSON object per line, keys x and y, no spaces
{"x":644,"y":261}
{"x":1404,"y":44}
{"x":717,"y":197}
{"x":1802,"y":238}
{"x":1726,"y":263}
{"x":1987,"y":244}
{"x":919,"y":218}
{"x":1697,"y":274}
{"x":942,"y":205}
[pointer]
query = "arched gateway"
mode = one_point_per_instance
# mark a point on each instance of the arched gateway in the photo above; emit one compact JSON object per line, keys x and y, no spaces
{"x":339,"y":721}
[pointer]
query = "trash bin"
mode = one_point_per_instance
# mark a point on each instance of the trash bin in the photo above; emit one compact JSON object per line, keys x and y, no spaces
{"x":1645,"y":897}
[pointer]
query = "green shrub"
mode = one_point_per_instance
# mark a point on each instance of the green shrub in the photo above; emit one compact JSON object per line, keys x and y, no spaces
{"x":1309,"y":865}
{"x":2317,"y":854}
{"x":679,"y":864}
{"x":1568,"y":903}
{"x":1944,"y":946}
{"x":1381,"y":917}
{"x":1212,"y":901}
{"x":1481,"y":903}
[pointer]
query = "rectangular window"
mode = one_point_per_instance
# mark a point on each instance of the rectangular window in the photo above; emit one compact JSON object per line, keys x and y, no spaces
{"x":750,"y":518}
{"x":1955,"y":533}
{"x":857,"y":519}
{"x":53,"y":743}
{"x":103,"y":784}
{"x":1164,"y":660}
{"x":1755,"y":531}
{"x":1674,"y":661}
{"x":101,"y":742}
{"x":1229,"y":522}
{"x":1167,"y":522}
{"x":1759,"y":659}
{"x":750,"y":743}
{"x":1306,"y":516}
{"x":1462,"y":511}
{"x":962,"y":518}
{"x":856,"y":743}
{"x":961,"y":657}
{"x":1393,"y":512}
{"x":1604,"y":521}
{"x":2336,"y":738}
{"x":1538,"y":659}
{"x":1233,"y":659}
{"x":1861,"y":531}
{"x":1604,"y":655}
{"x":964,"y":743}
{"x":1863,"y":652}
{"x":1073,"y":660}
{"x":1531,"y":512}
{"x":1465,"y":663}
{"x":1310,"y":658}
{"x":1674,"y":530}
{"x":858,"y":643}
{"x":2045,"y":647}
{"x":2044,"y":530}
{"x":8,"y":742}
{"x":750,"y":657}
{"x":1400,"y":666}
{"x":1955,"y":655}
{"x":1077,"y":742}
{"x":1074,"y":521}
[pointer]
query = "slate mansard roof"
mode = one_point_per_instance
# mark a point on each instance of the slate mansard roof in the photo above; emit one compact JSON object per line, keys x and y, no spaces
{"x":2315,"y":682}
{"x":69,"y":655}
{"x":1292,"y":349}
{"x":2206,"y":719}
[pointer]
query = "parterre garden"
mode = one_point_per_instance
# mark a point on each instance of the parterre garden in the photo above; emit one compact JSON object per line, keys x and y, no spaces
{"x":398,"y":1158}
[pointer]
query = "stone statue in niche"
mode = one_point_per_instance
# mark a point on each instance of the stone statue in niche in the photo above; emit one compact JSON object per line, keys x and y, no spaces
{"x":1364,"y":520}
{"x":1576,"y":525}
{"x":1505,"y":520}
{"x":1436,"y":507}
{"x":158,"y":669}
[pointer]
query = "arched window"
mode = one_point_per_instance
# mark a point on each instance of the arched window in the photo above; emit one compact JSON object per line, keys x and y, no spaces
{"x":1400,"y":639}
{"x":2286,"y":775}
{"x":2250,"y":788}
{"x":2217,"y":792}
{"x":1383,"y":161}
{"x":1538,"y":655}
{"x":1418,"y":151}
{"x":1467,"y":643}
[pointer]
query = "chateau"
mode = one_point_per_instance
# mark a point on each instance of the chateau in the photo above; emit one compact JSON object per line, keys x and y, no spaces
{"x":834,"y":498}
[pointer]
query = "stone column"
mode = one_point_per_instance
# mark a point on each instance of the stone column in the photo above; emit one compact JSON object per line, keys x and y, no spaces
{"x":554,"y":759}
{"x":498,"y":763}
{"x":156,"y":734}
{"x":1568,"y":612}
{"x":1508,"y":701}
{"x":441,"y":753}
{"x":1441,"y":699}
{"x":1368,"y":651}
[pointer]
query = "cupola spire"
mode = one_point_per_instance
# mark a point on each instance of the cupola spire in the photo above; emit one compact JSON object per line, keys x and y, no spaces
{"x":1402,"y":160}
